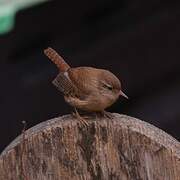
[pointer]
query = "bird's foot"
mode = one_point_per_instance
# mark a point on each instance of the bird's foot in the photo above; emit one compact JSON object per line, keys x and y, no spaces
{"x":106,"y":114}
{"x":81,"y":119}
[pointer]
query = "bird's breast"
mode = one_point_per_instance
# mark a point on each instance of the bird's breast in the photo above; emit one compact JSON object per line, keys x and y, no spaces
{"x":93,"y":103}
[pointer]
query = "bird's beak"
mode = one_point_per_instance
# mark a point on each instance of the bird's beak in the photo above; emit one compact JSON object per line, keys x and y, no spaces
{"x":123,"y":94}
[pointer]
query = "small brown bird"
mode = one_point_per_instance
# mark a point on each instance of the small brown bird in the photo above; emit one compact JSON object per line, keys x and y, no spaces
{"x":85,"y":88}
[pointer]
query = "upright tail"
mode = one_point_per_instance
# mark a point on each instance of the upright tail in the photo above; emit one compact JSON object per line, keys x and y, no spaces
{"x":56,"y":59}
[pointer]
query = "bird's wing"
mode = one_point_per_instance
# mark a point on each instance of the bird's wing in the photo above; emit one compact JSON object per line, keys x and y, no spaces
{"x":84,"y":78}
{"x":77,"y":82}
{"x":64,"y":84}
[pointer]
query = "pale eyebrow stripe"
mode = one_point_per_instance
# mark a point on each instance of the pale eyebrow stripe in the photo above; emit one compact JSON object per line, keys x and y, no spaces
{"x":109,"y":85}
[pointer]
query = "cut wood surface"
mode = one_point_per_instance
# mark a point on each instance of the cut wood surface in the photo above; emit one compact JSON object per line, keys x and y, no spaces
{"x":122,"y":148}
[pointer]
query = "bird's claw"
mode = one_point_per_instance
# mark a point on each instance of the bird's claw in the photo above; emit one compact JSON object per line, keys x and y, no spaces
{"x":107,"y":115}
{"x":81,"y":119}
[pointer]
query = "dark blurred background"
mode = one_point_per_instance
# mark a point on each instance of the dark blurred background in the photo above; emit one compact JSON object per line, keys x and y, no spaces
{"x":137,"y":40}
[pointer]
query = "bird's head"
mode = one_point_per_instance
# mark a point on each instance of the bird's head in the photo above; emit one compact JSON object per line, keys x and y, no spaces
{"x":110,"y":86}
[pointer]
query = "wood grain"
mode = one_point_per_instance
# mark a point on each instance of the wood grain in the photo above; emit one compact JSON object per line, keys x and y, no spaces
{"x":122,"y":148}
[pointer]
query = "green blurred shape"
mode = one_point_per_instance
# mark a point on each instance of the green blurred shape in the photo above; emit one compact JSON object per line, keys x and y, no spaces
{"x":8,"y":9}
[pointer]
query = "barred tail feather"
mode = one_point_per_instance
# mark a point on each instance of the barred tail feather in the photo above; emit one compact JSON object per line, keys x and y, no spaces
{"x":56,"y":59}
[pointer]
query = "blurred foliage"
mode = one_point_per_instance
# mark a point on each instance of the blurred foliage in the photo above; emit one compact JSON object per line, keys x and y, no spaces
{"x":8,"y":9}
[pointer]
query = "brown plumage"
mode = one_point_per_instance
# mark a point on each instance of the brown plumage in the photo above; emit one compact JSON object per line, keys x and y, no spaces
{"x":56,"y":59}
{"x":85,"y":88}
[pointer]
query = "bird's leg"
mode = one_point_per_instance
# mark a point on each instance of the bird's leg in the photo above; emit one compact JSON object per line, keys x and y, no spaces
{"x":106,"y":114}
{"x":81,"y":119}
{"x":96,"y":115}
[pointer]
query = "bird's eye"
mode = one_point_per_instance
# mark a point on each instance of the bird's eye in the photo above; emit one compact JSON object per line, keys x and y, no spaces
{"x":109,"y":87}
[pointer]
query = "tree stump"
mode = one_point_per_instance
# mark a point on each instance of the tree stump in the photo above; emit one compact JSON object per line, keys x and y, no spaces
{"x":122,"y":148}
